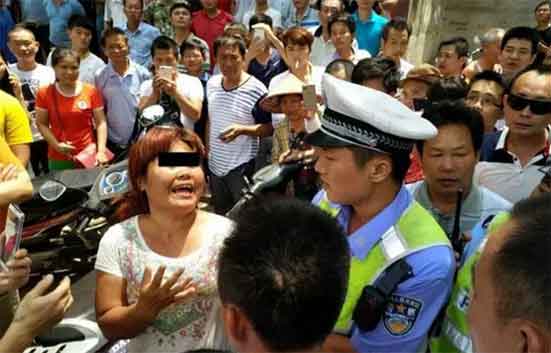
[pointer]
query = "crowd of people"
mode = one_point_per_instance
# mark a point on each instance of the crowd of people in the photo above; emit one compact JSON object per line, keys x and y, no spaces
{"x":419,"y":217}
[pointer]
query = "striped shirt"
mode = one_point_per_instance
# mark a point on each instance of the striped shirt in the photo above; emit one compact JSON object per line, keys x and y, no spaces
{"x":228,"y":107}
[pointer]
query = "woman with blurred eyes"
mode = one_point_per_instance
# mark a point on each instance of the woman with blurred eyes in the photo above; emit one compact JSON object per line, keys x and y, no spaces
{"x":156,"y":270}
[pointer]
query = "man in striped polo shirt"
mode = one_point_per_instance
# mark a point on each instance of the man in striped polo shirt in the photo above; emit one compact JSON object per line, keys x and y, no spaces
{"x":236,"y":123}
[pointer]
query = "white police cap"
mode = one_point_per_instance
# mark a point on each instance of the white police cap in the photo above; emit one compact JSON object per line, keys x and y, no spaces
{"x":360,"y":116}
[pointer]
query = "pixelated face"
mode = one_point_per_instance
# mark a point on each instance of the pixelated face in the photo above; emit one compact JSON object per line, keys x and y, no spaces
{"x":337,"y":164}
{"x":525,"y":122}
{"x":174,"y":188}
{"x":486,"y":97}
{"x":448,"y":61}
{"x":396,"y":44}
{"x":23,"y":45}
{"x":413,"y":89}
{"x":181,"y":17}
{"x":341,"y":35}
{"x":516,"y":56}
{"x":230,"y":60}
{"x":449,"y":160}
{"x":80,"y":38}
{"x":543,"y":14}
{"x":133,"y":10}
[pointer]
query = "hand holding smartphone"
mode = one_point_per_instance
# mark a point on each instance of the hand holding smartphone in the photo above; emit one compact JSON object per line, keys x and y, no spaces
{"x":10,"y":238}
{"x":165,"y":72}
{"x":259,"y":34}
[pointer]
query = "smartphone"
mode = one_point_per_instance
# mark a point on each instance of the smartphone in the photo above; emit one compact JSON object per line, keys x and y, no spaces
{"x":28,"y":93}
{"x":11,"y":237}
{"x":259,"y":34}
{"x":223,"y":133}
{"x":165,"y":72}
{"x":309,"y":97}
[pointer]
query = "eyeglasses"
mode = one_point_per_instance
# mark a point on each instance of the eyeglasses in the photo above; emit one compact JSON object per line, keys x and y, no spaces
{"x":539,"y":107}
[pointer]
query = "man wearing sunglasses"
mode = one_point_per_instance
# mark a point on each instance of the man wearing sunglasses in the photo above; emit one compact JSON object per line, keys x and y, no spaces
{"x":511,"y":159}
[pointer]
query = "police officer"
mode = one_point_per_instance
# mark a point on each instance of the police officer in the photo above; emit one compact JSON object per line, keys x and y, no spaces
{"x":455,"y":333}
{"x":402,"y":263}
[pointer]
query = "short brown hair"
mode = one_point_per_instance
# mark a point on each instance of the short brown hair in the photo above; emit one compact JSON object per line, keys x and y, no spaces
{"x":144,"y":151}
{"x":298,"y":36}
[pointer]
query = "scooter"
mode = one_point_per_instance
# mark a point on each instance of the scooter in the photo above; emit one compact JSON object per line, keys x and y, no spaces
{"x":268,"y":179}
{"x":67,"y":216}
{"x":72,"y":252}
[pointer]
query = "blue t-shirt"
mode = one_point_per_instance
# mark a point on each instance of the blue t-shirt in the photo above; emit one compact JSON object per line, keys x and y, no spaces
{"x":59,"y":16}
{"x":265,"y":73}
{"x":418,"y":300}
{"x":370,"y":32}
{"x":6,"y":25}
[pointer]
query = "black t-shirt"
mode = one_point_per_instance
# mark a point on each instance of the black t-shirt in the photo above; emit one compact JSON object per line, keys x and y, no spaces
{"x":546,"y":36}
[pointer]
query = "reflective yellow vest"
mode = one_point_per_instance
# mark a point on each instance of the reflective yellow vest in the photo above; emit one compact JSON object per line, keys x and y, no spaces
{"x":416,"y":230}
{"x":454,"y":336}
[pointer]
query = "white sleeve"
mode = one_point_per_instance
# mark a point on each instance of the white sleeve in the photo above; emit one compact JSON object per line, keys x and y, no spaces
{"x":108,"y":253}
{"x":146,"y":88}
{"x":107,"y":16}
{"x":192,"y":88}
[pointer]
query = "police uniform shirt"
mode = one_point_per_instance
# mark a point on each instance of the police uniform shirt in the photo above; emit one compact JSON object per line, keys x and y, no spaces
{"x":417,"y":301}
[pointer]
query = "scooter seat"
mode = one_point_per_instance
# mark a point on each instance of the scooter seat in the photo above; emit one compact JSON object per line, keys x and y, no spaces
{"x":37,"y":209}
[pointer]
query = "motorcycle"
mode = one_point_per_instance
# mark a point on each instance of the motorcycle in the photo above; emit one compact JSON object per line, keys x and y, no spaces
{"x":269,"y":179}
{"x":67,"y":216}
{"x":79,"y":332}
{"x":62,"y":233}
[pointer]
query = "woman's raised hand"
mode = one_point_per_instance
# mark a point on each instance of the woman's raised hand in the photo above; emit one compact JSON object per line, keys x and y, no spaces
{"x":156,"y":294}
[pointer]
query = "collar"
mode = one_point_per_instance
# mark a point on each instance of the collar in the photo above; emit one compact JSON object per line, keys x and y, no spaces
{"x":141,"y":26}
{"x":365,"y":238}
{"x":371,"y":18}
{"x":306,"y":13}
{"x":501,"y":142}
{"x":112,"y":73}
{"x":470,"y":204}
{"x":318,"y":32}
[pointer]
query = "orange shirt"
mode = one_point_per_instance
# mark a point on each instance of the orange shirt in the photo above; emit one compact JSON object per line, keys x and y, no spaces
{"x":75,"y":121}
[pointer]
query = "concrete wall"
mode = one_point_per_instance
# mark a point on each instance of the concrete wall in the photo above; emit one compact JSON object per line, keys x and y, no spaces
{"x":435,"y":20}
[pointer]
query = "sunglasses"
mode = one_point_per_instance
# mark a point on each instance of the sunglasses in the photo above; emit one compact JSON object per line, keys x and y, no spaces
{"x":420,"y":104}
{"x":539,"y":107}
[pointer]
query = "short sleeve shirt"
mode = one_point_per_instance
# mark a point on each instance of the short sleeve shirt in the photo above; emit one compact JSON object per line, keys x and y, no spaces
{"x":72,"y":121}
{"x":14,"y":123}
{"x":369,"y":33}
{"x":416,"y":302}
{"x":210,"y":28}
{"x":188,"y":86}
{"x":227,"y":107}
{"x":42,"y":75}
{"x":124,"y":253}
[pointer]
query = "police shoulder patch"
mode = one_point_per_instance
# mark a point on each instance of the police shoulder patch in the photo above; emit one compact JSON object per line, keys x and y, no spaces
{"x":401,"y":314}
